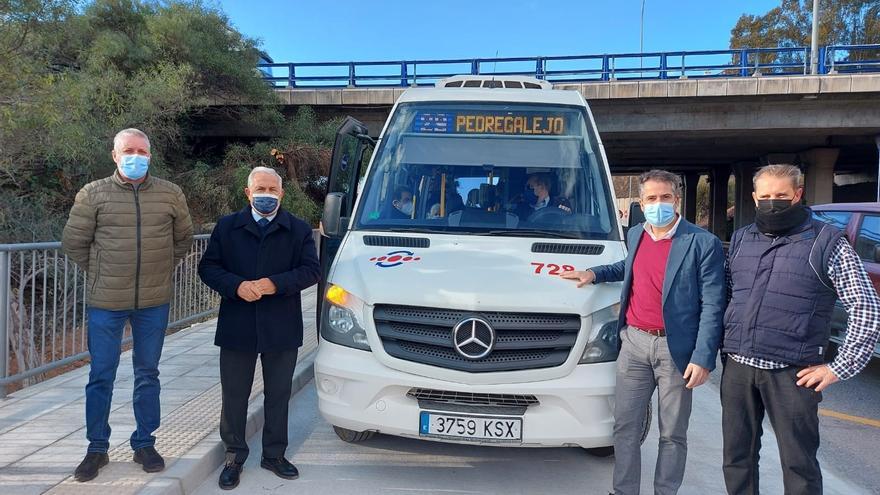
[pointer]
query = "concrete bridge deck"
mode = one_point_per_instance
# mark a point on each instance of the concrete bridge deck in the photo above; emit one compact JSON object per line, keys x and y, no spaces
{"x":796,"y":85}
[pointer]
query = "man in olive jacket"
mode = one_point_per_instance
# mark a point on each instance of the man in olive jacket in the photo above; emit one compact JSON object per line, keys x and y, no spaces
{"x":128,"y":231}
{"x":258,"y":260}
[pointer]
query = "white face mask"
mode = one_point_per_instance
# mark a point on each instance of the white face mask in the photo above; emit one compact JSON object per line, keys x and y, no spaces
{"x":406,"y":208}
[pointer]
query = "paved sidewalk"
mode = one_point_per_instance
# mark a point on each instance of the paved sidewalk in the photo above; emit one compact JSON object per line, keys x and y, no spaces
{"x":42,"y":427}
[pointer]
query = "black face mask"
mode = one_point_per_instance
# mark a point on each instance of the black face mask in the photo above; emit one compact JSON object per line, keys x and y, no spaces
{"x":773,"y":205}
{"x":778,"y":216}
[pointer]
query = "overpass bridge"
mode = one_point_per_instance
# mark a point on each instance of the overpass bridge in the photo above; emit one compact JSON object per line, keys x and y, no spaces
{"x":719,"y":113}
{"x":722,"y":124}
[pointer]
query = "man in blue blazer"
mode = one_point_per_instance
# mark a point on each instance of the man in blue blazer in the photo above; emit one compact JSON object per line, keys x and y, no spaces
{"x":258,"y":260}
{"x":671,"y":311}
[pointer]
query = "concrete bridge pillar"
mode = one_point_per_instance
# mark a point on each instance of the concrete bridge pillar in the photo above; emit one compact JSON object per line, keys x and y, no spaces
{"x":691,"y":179}
{"x":819,"y":174}
{"x":744,"y":203}
{"x":718,"y":180}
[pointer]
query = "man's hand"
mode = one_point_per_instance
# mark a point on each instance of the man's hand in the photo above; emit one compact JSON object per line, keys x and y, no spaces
{"x":695,"y":375}
{"x":819,"y":376}
{"x":265,"y":286}
{"x":583,"y":278}
{"x":248,"y":291}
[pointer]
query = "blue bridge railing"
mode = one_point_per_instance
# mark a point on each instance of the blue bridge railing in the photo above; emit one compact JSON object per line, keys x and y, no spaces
{"x":580,"y":68}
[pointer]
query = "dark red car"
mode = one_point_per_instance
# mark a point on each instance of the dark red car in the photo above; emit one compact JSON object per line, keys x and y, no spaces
{"x":861,"y":223}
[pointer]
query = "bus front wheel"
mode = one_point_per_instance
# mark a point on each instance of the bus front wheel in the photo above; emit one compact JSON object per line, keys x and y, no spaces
{"x":609,"y":451}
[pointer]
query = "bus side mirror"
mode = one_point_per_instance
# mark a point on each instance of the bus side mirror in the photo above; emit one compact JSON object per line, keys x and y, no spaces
{"x":877,"y":253}
{"x":331,"y":219}
{"x":636,"y":216}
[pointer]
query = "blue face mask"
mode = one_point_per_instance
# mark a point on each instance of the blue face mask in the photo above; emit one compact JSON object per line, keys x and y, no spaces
{"x":659,"y":214}
{"x":265,"y":203}
{"x":134,"y":167}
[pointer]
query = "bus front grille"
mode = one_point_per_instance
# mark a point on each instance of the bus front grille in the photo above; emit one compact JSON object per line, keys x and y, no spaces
{"x":522,"y":340}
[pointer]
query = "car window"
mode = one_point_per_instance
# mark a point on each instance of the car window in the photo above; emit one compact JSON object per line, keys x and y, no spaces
{"x":839,"y":219}
{"x":868,"y":237}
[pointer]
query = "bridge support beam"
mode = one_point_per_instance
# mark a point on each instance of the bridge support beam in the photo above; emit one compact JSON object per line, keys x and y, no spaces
{"x":818,"y":164}
{"x":691,"y":179}
{"x":718,"y":181}
{"x":745,"y":204}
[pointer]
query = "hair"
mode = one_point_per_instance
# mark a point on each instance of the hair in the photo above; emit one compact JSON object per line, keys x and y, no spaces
{"x":661,"y":176}
{"x":791,"y":172}
{"x":263,"y":170}
{"x":131,"y":131}
{"x":543,"y":178}
{"x":398,"y":192}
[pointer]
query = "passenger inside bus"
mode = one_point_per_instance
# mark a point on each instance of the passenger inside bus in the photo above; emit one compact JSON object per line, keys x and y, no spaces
{"x":436,"y":186}
{"x":401,"y":203}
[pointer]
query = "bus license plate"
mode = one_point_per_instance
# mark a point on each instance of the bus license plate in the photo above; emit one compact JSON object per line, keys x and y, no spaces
{"x":466,"y":427}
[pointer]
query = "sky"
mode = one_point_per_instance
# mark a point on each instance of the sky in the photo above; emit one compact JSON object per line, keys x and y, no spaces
{"x":377,"y":30}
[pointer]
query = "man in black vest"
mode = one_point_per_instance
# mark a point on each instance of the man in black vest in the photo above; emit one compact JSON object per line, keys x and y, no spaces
{"x":784,"y":273}
{"x":258,"y":260}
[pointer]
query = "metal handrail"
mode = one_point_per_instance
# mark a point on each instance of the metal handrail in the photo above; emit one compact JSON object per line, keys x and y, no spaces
{"x":742,"y":62}
{"x":43,"y":303}
{"x":834,"y":66}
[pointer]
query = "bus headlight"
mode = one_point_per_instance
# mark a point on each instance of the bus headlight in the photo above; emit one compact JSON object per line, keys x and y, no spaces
{"x":340,"y":322}
{"x":604,"y":343}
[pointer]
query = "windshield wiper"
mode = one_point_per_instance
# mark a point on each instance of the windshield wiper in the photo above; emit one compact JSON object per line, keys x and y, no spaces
{"x":415,"y":230}
{"x":533,"y":233}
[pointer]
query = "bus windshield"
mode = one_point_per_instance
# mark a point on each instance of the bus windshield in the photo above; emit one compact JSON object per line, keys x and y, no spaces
{"x":490,"y":169}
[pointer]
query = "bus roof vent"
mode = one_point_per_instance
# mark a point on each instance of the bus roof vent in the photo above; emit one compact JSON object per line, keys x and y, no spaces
{"x":489,"y":81}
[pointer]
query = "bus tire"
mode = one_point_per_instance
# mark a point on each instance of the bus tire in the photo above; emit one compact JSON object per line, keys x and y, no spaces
{"x":601,"y":451}
{"x":609,"y":451}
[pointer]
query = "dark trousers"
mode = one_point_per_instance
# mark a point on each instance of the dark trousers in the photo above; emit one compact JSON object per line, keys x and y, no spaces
{"x":236,"y":377}
{"x":747,"y":392}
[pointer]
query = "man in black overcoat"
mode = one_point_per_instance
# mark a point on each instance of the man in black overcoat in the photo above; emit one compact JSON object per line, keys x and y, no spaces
{"x":258,"y":260}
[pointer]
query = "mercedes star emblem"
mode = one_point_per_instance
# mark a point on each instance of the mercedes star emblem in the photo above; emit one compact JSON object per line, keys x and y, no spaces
{"x":473,"y":338}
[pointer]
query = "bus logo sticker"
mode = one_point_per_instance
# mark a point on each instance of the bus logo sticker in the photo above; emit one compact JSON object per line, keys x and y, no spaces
{"x":394,"y":258}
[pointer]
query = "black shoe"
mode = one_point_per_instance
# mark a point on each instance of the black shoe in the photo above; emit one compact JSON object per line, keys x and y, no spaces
{"x":281,"y":467}
{"x":231,"y":475}
{"x":88,"y":468}
{"x":149,"y":459}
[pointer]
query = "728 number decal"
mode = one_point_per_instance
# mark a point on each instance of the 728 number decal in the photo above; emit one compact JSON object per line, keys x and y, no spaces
{"x":551,"y":268}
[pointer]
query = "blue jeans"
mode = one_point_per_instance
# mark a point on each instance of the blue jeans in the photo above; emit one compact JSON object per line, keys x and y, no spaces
{"x":105,"y":344}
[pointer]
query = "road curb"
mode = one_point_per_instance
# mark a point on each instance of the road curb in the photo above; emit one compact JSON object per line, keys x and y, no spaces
{"x":191,"y":470}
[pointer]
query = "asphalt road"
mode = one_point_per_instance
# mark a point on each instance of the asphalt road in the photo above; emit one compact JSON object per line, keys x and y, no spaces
{"x":849,"y":427}
{"x":391,"y":465}
{"x":850,"y":446}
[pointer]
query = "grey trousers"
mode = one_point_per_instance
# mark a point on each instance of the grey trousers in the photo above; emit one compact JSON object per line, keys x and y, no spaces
{"x":643,"y":365}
